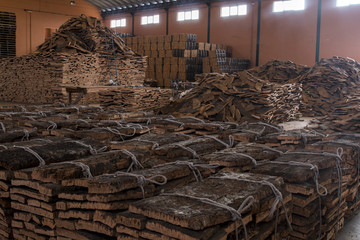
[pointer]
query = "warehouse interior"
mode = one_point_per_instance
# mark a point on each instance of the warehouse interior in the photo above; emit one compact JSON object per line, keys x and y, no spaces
{"x":179,"y":119}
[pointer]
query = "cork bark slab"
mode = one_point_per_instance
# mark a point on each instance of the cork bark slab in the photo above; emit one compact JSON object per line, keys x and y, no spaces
{"x":82,"y":195}
{"x":131,"y":220}
{"x":94,"y":227}
{"x":102,"y":163}
{"x":66,"y":205}
{"x":160,"y":139}
{"x":80,"y":235}
{"x":199,"y":145}
{"x":105,"y":184}
{"x":15,"y":158}
{"x":292,"y":174}
{"x":177,"y":232}
{"x":191,"y":213}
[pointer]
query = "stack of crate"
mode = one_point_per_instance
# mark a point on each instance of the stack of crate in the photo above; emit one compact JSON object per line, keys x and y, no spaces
{"x":179,"y":57}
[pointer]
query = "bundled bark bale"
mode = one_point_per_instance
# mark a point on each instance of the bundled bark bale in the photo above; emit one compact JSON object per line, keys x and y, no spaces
{"x":19,"y":155}
{"x":140,"y":99}
{"x":45,"y":182}
{"x":350,"y":164}
{"x":242,"y":157}
{"x":77,"y":55}
{"x":238,"y":97}
{"x":290,"y":139}
{"x":279,"y":71}
{"x":93,"y":208}
{"x":312,"y":176}
{"x":191,"y":213}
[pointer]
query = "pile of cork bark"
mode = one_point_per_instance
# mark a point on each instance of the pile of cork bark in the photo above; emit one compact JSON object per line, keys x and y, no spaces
{"x":238,"y":97}
{"x":92,"y":173}
{"x":81,"y":54}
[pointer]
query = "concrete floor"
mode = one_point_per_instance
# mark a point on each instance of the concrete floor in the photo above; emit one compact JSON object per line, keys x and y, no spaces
{"x":351,"y":230}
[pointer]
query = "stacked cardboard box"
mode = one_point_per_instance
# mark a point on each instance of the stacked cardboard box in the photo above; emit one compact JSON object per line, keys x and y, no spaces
{"x":179,"y":57}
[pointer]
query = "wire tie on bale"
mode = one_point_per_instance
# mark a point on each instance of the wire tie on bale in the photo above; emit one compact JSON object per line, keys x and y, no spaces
{"x":52,"y":126}
{"x":218,"y":140}
{"x":173,"y":121}
{"x":134,"y":161}
{"x":240,"y":154}
{"x":84,"y":168}
{"x":29,"y":150}
{"x":3,"y":127}
{"x":64,"y":115}
{"x":26,"y":135}
{"x":3,"y":146}
{"x":155,"y":144}
{"x":195,"y":155}
{"x":41,"y":113}
{"x":93,"y":151}
{"x":193,"y":167}
{"x":43,"y":140}
{"x":277,"y":193}
{"x":141,"y":180}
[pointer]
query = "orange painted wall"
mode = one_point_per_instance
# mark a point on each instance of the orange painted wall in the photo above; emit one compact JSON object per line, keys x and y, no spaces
{"x":150,"y":29}
{"x":339,"y":31}
{"x":126,"y":29}
{"x":199,"y":27}
{"x":236,"y":31}
{"x":45,"y":14}
{"x":288,"y":35}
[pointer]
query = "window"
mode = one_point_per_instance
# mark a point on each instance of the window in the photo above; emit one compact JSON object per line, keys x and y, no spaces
{"x":345,"y":3}
{"x":233,"y":10}
{"x":188,"y":15}
{"x":118,"y":23}
{"x":289,"y":5}
{"x":145,"y":20}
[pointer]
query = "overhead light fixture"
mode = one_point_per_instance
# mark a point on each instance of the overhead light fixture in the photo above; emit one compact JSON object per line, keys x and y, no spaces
{"x":72,"y":3}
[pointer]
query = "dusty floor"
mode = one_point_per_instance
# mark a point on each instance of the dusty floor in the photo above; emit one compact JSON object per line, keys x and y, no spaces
{"x":351,"y":230}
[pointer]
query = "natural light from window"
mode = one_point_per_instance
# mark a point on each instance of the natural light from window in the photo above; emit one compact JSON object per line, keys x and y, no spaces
{"x":345,"y":3}
{"x":238,"y":10}
{"x":289,"y":5}
{"x":118,"y":23}
{"x":145,"y":20}
{"x":188,"y":15}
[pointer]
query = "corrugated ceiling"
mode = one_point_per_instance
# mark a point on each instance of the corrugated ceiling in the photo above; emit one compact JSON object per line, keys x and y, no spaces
{"x":116,"y":5}
{"x":110,"y":7}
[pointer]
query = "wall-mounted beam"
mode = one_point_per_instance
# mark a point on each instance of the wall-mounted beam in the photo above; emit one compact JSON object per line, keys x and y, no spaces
{"x":318,"y":29}
{"x":209,"y":21}
{"x":167,"y":21}
{"x":258,"y":34}
{"x":133,"y":24}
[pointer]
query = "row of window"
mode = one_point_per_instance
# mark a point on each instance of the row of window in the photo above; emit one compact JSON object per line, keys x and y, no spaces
{"x":228,"y":11}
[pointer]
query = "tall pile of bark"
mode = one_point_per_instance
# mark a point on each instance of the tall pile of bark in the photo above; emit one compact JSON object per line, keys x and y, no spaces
{"x":82,"y":52}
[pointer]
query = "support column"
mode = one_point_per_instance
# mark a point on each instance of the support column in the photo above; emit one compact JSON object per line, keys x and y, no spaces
{"x":258,"y":34}
{"x":133,"y":24}
{"x":318,"y":28}
{"x":209,"y":18}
